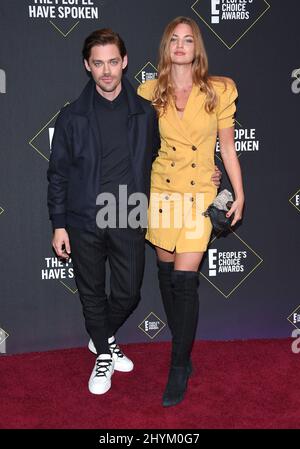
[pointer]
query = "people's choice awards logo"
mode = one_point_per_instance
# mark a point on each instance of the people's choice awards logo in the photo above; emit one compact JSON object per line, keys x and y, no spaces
{"x":294,"y":318}
{"x":295,"y":86}
{"x":62,"y":271}
{"x":295,"y":200}
{"x":229,"y":262}
{"x":152,"y":325}
{"x":226,"y":261}
{"x":42,"y":140}
{"x":63,"y":15}
{"x":230,"y":20}
{"x":148,"y":72}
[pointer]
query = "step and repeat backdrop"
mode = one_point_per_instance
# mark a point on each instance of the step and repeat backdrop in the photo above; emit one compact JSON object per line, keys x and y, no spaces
{"x":249,"y":280}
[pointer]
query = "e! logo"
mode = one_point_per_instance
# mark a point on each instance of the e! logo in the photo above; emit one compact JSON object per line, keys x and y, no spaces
{"x":215,"y":13}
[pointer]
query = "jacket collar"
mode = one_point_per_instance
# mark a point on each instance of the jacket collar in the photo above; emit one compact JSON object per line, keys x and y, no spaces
{"x":85,"y":103}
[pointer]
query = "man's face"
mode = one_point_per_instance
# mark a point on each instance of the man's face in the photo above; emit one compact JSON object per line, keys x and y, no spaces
{"x":106,"y":66}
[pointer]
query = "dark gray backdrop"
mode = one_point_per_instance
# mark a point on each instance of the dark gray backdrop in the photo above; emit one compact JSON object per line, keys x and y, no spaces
{"x":41,"y":70}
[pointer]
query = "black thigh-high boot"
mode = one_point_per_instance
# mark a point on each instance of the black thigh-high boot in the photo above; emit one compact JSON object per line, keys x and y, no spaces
{"x":185,"y":319}
{"x":165,"y":270}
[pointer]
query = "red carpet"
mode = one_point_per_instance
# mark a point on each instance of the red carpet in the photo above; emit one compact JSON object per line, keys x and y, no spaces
{"x":239,"y":384}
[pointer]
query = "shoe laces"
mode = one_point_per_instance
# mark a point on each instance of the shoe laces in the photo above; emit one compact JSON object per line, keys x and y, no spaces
{"x":115,"y":349}
{"x":103,"y":366}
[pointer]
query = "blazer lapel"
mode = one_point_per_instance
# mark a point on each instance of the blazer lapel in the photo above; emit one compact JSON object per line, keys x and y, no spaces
{"x":193,"y":108}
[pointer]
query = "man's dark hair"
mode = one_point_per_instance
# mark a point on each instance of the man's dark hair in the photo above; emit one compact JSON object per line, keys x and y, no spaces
{"x":103,"y":37}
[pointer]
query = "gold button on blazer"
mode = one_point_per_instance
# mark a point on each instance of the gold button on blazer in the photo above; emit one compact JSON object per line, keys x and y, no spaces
{"x":181,"y":186}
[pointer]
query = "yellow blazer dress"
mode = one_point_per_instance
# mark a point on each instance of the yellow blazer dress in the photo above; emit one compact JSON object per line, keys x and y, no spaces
{"x":181,"y":186}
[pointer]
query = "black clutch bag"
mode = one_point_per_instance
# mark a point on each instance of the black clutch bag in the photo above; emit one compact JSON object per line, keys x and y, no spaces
{"x":218,"y":209}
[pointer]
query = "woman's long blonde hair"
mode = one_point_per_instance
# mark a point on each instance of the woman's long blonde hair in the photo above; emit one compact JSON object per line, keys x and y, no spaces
{"x":164,"y":89}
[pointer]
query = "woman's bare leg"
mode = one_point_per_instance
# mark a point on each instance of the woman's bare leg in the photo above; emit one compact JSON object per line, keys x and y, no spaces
{"x":188,"y":261}
{"x":164,"y":255}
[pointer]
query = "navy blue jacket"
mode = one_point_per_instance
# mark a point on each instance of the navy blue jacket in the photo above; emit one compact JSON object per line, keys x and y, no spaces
{"x":75,"y":160}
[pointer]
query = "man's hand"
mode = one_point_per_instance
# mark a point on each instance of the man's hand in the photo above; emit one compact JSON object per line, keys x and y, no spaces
{"x":60,"y":239}
{"x":216,"y":177}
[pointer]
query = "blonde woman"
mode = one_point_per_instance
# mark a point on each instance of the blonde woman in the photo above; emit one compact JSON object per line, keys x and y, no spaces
{"x":193,"y":108}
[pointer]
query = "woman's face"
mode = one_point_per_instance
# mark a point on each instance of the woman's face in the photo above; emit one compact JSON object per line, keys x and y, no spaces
{"x":182,"y":46}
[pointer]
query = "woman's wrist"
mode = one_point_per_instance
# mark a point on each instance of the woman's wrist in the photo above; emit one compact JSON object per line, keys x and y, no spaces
{"x":239,"y":196}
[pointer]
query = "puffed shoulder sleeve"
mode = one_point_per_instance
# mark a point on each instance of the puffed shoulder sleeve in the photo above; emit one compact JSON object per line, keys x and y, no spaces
{"x":226,"y":106}
{"x":146,"y":89}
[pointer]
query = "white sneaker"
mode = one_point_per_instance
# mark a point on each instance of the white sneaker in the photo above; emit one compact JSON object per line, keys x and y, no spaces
{"x":100,"y":380}
{"x":122,"y":363}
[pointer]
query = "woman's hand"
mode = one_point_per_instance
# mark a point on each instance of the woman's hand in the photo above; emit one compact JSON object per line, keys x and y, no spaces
{"x":216,"y":176}
{"x":237,"y":210}
{"x":233,"y":169}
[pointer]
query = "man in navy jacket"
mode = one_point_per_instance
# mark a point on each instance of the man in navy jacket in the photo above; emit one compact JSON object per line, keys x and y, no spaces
{"x":106,"y":138}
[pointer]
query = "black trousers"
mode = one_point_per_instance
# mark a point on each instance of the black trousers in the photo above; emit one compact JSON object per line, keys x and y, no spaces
{"x":124,"y":248}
